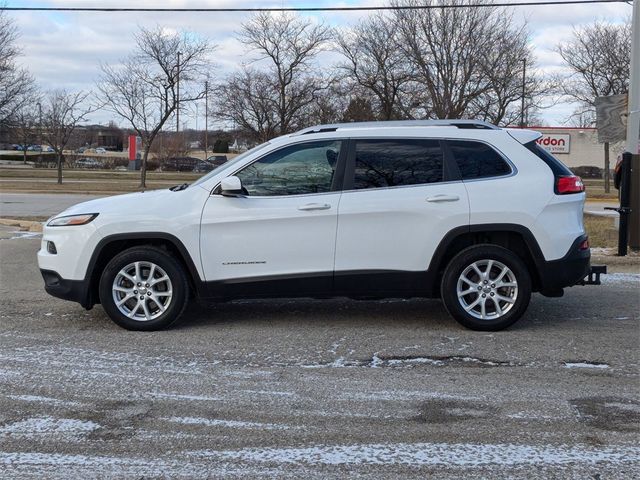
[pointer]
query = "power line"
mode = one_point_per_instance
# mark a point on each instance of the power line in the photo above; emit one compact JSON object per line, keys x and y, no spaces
{"x":313,"y":9}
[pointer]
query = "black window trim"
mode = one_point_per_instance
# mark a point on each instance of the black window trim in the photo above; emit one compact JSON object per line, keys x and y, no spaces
{"x":338,"y":176}
{"x":448,"y":173}
{"x":454,"y":165}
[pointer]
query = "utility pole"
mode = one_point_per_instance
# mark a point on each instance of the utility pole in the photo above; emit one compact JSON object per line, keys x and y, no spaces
{"x":633,"y":129}
{"x":206,"y":118}
{"x":39,"y":122}
{"x":178,"y":95}
{"x":524,"y":74}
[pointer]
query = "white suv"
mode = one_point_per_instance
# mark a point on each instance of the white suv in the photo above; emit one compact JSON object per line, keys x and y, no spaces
{"x":478,"y":215}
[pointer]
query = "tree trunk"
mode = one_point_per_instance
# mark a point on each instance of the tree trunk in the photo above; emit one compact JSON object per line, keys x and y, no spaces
{"x":143,"y":167}
{"x":59,"y":161}
{"x":24,"y":156}
{"x":607,"y":169}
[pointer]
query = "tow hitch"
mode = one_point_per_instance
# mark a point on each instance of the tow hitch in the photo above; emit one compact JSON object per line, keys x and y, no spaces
{"x":593,"y":278}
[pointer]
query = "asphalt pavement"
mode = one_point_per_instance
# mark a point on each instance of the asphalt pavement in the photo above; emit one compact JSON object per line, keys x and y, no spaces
{"x":36,"y":204}
{"x":317,"y":389}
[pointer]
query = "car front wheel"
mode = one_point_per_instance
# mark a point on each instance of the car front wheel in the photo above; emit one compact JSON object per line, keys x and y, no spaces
{"x":486,"y":287}
{"x":144,"y":288}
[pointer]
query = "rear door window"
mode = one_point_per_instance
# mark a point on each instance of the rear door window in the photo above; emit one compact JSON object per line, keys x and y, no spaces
{"x":397,"y":162}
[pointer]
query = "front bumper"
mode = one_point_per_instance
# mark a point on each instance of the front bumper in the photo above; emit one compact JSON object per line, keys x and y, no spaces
{"x":73,"y":290}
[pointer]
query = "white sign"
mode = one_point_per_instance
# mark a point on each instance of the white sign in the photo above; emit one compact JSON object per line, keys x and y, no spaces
{"x":555,"y":142}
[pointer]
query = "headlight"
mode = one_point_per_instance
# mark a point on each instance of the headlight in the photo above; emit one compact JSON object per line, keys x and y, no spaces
{"x":72,"y":220}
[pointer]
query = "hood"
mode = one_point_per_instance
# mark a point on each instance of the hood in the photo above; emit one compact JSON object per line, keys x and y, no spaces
{"x":120,"y":203}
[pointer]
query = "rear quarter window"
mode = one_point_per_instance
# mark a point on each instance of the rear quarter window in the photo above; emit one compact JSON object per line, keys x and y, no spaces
{"x":558,"y":168}
{"x":477,"y":160}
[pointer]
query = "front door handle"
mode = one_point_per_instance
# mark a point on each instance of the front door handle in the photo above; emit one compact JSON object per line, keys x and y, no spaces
{"x":443,"y":198}
{"x":314,"y":206}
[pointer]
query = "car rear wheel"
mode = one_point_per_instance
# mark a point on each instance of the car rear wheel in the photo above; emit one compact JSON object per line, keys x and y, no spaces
{"x":144,"y":288}
{"x":486,"y":287}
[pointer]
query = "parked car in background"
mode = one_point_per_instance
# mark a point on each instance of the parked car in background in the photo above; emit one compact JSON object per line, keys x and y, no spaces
{"x":588,"y":171}
{"x":203,"y":166}
{"x":100,"y":150}
{"x":47,"y":149}
{"x":217,"y":160}
{"x":88,"y":163}
{"x":34,"y":148}
{"x":179,"y":164}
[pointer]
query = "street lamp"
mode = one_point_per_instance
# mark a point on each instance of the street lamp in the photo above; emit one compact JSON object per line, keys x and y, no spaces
{"x":524,"y":73}
{"x":206,"y":118}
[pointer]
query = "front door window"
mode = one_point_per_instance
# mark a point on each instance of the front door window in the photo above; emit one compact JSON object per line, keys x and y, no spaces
{"x":300,"y":169}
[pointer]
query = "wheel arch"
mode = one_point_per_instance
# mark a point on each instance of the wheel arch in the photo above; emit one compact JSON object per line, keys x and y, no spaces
{"x":111,"y":245}
{"x":516,"y":238}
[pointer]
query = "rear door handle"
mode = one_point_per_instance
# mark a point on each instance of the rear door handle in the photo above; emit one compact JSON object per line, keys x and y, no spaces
{"x":443,"y":198}
{"x":314,"y":206}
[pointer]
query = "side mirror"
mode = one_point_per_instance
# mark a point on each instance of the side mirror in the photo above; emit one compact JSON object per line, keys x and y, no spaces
{"x":231,"y":187}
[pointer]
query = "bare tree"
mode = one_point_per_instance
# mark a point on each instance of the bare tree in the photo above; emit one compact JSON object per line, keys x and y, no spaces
{"x":287,"y":46}
{"x":598,"y":57}
{"x":167,"y":70}
{"x":26,"y":126}
{"x":375,"y":63}
{"x":503,"y":104}
{"x":62,"y":113}
{"x":16,"y":84}
{"x":460,"y":58}
{"x":247,"y":98}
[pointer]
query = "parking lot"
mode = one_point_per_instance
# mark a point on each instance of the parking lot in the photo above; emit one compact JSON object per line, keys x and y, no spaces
{"x":319,"y":389}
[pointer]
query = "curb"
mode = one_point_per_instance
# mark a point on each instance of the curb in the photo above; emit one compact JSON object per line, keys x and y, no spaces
{"x":25,"y":225}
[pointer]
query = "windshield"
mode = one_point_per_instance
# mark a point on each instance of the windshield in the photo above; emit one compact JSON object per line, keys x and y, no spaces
{"x":237,"y":159}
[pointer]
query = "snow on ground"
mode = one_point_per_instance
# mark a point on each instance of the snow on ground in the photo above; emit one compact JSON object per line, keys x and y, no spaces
{"x":47,"y":425}
{"x":585,"y":365}
{"x":621,"y":279}
{"x":217,"y":422}
{"x":427,"y":454}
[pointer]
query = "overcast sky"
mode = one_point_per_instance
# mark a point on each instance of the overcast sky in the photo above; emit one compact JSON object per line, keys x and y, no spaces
{"x":64,"y":50}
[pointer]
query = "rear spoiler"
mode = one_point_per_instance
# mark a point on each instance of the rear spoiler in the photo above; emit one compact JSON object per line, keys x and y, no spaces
{"x":523,"y":136}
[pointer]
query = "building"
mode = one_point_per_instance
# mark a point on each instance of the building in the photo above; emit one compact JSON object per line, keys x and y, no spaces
{"x":575,"y":147}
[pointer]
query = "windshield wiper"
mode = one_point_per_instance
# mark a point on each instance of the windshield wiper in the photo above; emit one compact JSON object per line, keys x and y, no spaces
{"x":177,"y":188}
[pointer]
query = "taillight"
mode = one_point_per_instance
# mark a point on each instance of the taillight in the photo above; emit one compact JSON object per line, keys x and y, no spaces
{"x":584,"y":245}
{"x":569,"y":184}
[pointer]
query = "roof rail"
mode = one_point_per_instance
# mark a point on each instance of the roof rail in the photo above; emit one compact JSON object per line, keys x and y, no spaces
{"x":466,"y":124}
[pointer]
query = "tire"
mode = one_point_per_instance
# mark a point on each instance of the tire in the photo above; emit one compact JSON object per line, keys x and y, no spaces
{"x":504,"y":301}
{"x":164,"y":297}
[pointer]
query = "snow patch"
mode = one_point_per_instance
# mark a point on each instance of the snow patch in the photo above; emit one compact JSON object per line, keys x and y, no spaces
{"x":48,"y":425}
{"x":175,"y":396}
{"x":633,"y":279}
{"x":17,"y":235}
{"x":585,"y":365}
{"x":40,"y":399}
{"x":216,"y":422}
{"x":427,"y":454}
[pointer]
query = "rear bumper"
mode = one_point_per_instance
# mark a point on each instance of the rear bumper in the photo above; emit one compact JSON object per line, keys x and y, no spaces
{"x":567,"y":271}
{"x":73,"y":290}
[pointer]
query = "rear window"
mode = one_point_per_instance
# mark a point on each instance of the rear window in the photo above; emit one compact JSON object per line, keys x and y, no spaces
{"x":477,"y":160}
{"x":558,"y":168}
